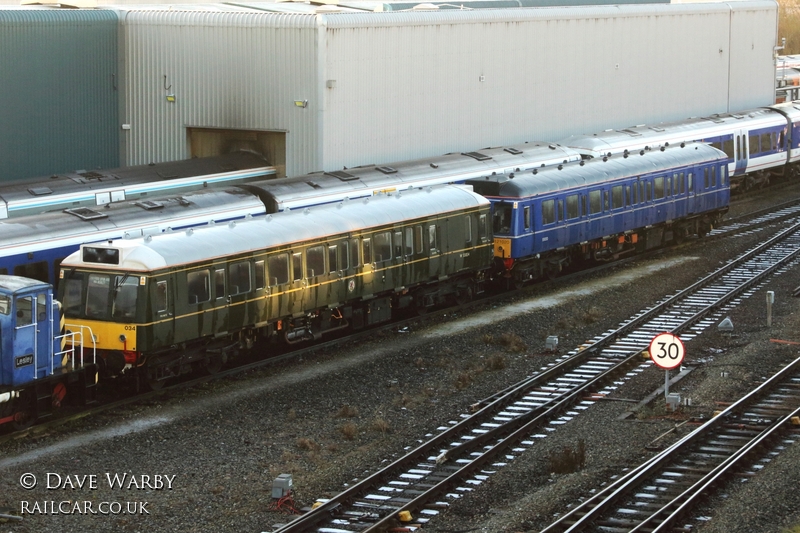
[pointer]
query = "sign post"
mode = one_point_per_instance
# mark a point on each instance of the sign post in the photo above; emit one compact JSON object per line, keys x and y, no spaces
{"x":667,"y":352}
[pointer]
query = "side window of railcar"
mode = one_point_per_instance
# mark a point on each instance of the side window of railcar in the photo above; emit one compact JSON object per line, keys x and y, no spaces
{"x":727,"y":147}
{"x":219,"y":283}
{"x":239,"y":275}
{"x":573,"y":207}
{"x":754,"y":143}
{"x":278,"y":268}
{"x":198,"y":287}
{"x":482,"y":227}
{"x":315,"y":261}
{"x":548,"y":212}
{"x":5,"y":304}
{"x":383,"y":246}
{"x":398,"y":244}
{"x":162,"y":300}
{"x":690,"y":184}
{"x":408,"y":235}
{"x":468,"y":225}
{"x":333,"y":258}
{"x":616,"y":197}
{"x":297,"y":266}
{"x":766,"y":142}
{"x":723,"y":171}
{"x":366,"y":251}
{"x":355,"y":259}
{"x":432,"y":238}
{"x":260,"y":275}
{"x":526,"y":219}
{"x":658,"y":188}
{"x":595,"y":204}
{"x":344,"y":259}
{"x":419,"y":242}
{"x":713,"y":176}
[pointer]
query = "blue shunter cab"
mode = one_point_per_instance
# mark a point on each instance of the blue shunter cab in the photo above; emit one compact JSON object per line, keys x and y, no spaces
{"x":37,"y":365}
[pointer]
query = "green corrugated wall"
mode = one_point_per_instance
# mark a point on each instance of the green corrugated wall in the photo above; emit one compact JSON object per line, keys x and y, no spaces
{"x":58,"y":103}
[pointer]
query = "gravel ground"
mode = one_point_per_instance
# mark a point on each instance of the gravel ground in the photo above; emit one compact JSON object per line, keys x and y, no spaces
{"x":337,"y":416}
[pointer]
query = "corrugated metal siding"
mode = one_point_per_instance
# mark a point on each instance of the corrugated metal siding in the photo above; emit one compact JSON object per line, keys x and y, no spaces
{"x":754,"y":30}
{"x":227,"y":70}
{"x":408,"y":84}
{"x":58,"y":105}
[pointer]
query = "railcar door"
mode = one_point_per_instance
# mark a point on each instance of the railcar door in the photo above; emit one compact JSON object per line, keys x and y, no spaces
{"x":32,"y":336}
{"x":299,"y":284}
{"x":741,"y":152}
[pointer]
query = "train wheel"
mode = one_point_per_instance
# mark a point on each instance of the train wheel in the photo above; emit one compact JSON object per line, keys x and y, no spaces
{"x":214,"y":364}
{"x":465,"y":295}
{"x":26,"y":414}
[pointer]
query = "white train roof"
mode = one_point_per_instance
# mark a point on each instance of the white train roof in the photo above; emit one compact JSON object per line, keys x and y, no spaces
{"x":323,"y":187}
{"x":656,"y":135}
{"x":282,"y":229}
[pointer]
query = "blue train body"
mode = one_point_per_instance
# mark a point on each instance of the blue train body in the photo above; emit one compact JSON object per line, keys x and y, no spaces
{"x":37,"y":370}
{"x":602,"y":208}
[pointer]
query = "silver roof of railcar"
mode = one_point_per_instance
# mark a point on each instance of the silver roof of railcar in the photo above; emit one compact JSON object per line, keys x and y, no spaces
{"x":72,"y":227}
{"x":223,"y":241}
{"x":598,"y":171}
{"x":358,"y":182}
{"x":656,"y":135}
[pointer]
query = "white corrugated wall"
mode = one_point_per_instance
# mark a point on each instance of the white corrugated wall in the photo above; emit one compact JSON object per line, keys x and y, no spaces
{"x":226,"y":70}
{"x":385,"y":87}
{"x":409,"y":84}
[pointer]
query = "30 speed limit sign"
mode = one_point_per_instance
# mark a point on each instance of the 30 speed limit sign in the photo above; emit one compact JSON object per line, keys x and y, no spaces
{"x":666,"y":351}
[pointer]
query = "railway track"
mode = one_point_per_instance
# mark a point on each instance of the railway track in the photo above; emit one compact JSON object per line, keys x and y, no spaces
{"x":413,"y":488}
{"x":744,"y":224}
{"x":658,"y":494}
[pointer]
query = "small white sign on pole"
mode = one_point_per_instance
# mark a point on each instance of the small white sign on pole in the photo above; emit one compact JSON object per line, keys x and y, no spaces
{"x":667,"y":352}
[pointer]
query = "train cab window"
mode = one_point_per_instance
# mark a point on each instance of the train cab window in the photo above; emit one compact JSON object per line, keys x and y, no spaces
{"x":278,"y":268}
{"x":239,"y":277}
{"x":408,"y":250}
{"x":502,"y":218}
{"x":754,"y":144}
{"x":123,"y":299}
{"x":72,"y":295}
{"x":297,"y":266}
{"x":97,"y":296}
{"x":5,"y":304}
{"x":260,"y":275}
{"x":617,"y":200}
{"x":366,"y":251}
{"x":595,"y":204}
{"x":382,"y":244}
{"x":162,"y":300}
{"x":41,"y":307}
{"x":482,"y":227}
{"x":344,"y":262}
{"x":333,"y":259}
{"x":219,"y":284}
{"x":24,"y":311}
{"x":398,"y":244}
{"x":434,"y":238}
{"x":355,"y":259}
{"x":315,"y":261}
{"x":526,"y":219}
{"x":548,"y":212}
{"x":573,"y":207}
